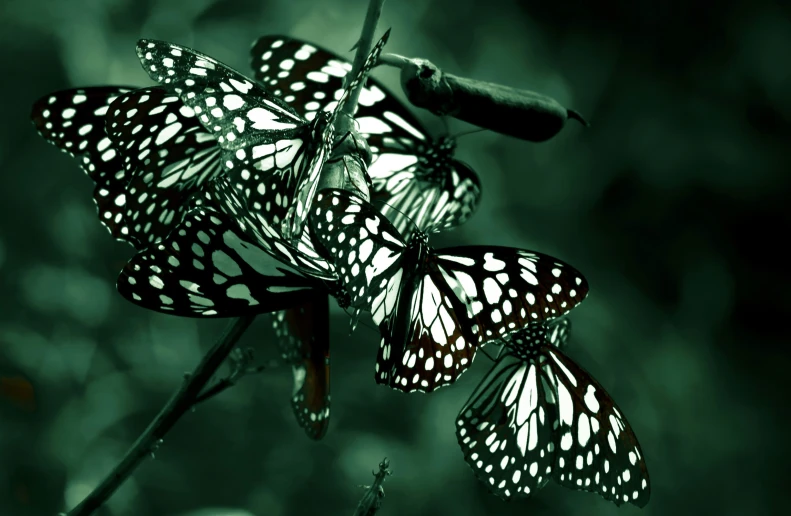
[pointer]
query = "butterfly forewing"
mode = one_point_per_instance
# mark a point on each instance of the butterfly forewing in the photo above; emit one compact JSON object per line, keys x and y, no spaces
{"x":238,"y":112}
{"x":537,"y":415}
{"x":364,"y":247}
{"x":303,"y":339}
{"x":207,"y":268}
{"x":74,"y":121}
{"x":597,"y":449}
{"x":506,"y":289}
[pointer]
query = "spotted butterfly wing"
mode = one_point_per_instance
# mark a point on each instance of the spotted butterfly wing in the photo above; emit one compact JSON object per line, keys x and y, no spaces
{"x":538,"y":415}
{"x":433,"y":308}
{"x":258,"y":216}
{"x":168,"y":156}
{"x":237,"y":111}
{"x":207,"y":267}
{"x":304,"y":341}
{"x":249,"y":122}
{"x":73,"y":121}
{"x":415,"y":180}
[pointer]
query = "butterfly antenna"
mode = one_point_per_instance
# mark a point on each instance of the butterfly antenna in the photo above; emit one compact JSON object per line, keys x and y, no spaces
{"x":356,"y":322}
{"x":445,"y":124}
{"x":483,"y":350}
{"x":465,"y":133}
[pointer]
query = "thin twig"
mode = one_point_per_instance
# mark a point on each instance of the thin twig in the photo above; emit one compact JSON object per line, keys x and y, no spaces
{"x":363,"y":47}
{"x":179,"y":403}
{"x":371,"y":501}
{"x":241,"y":367}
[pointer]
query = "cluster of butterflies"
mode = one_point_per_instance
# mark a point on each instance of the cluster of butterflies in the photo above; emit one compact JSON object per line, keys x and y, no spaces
{"x":212,"y":177}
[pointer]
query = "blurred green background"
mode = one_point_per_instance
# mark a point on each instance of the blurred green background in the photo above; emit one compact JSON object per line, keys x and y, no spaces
{"x":670,"y":204}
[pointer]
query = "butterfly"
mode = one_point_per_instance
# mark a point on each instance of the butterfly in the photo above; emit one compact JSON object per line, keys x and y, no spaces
{"x":258,"y":133}
{"x":537,"y":416}
{"x":416,"y":181}
{"x":216,"y":263}
{"x":74,"y":121}
{"x":433,"y":308}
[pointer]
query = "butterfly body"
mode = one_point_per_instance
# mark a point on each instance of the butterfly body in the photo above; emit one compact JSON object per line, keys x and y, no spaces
{"x":416,"y":260}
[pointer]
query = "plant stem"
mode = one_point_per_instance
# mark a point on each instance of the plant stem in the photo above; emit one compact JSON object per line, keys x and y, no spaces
{"x":394,"y":60}
{"x":364,"y":45}
{"x":178,"y":404}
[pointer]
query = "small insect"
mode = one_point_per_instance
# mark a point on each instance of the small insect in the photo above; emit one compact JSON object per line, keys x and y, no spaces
{"x":416,"y":181}
{"x":537,"y":416}
{"x":433,"y":308}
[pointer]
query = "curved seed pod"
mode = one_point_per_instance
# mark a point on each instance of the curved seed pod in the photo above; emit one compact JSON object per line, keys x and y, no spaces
{"x":519,"y":113}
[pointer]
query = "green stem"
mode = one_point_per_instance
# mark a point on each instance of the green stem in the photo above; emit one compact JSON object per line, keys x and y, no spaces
{"x":363,"y":48}
{"x":178,"y":404}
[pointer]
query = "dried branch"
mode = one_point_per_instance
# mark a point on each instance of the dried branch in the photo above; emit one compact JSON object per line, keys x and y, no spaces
{"x":182,"y":401}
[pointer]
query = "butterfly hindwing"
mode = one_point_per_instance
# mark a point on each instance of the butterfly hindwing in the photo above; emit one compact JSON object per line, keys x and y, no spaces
{"x":438,"y":345}
{"x":257,"y":219}
{"x":207,"y":268}
{"x":74,"y":121}
{"x":303,"y":338}
{"x":505,"y":433}
{"x":429,"y":191}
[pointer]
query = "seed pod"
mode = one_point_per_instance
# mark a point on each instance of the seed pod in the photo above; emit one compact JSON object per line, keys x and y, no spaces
{"x":519,"y":113}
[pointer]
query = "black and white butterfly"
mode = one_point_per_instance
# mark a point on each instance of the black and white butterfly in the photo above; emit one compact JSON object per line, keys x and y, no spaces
{"x":537,"y":416}
{"x":416,"y":180}
{"x":258,"y":132}
{"x":216,"y":263}
{"x":74,"y":121}
{"x":434,"y":308}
